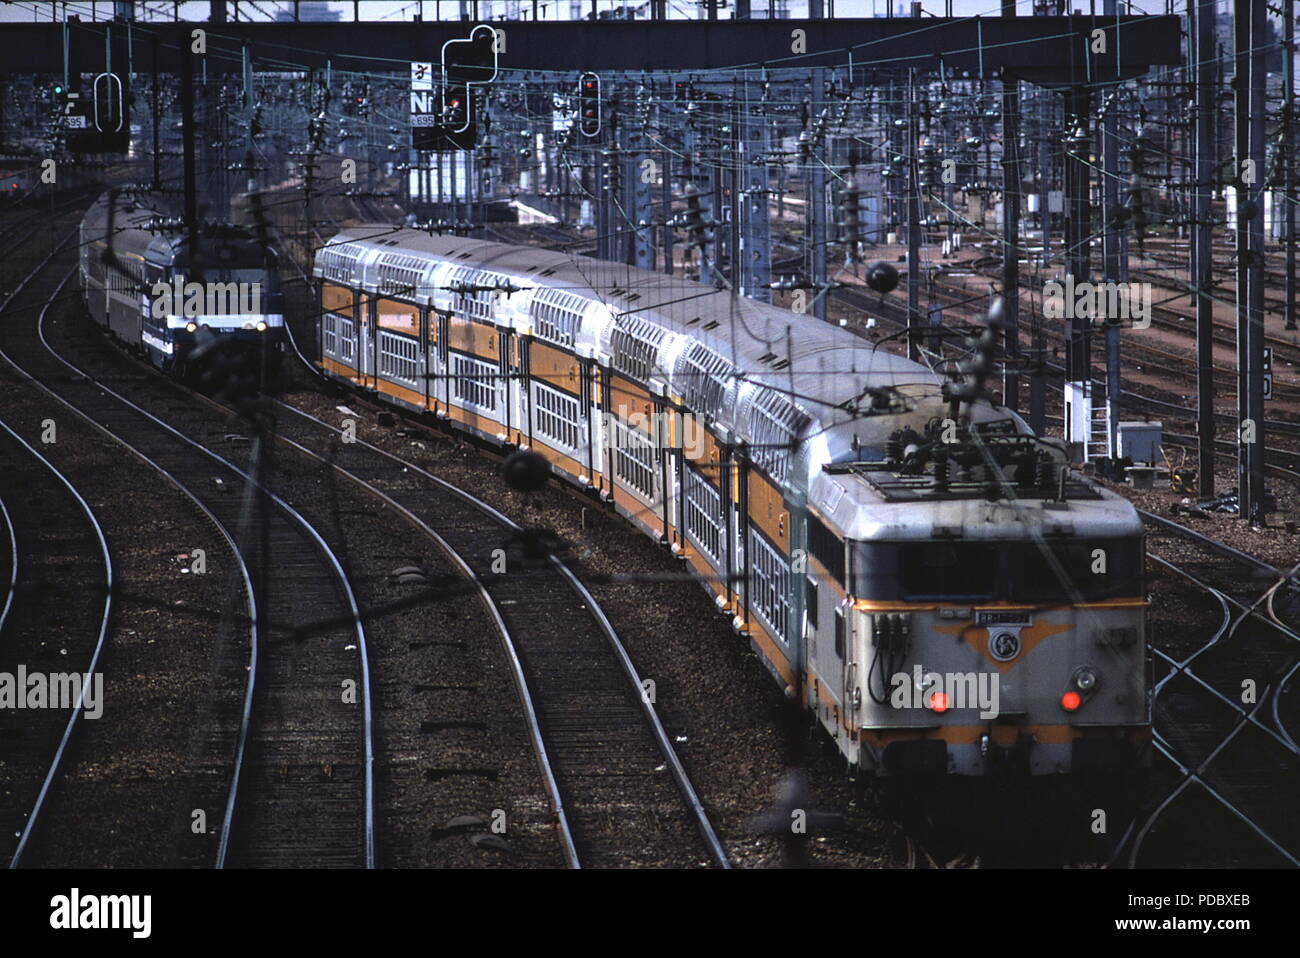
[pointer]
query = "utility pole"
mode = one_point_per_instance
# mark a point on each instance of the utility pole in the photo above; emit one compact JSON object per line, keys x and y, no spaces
{"x":719,"y":236}
{"x":1111,"y":255}
{"x":817,"y":231}
{"x":1038,"y":379}
{"x":754,"y":253}
{"x":666,"y":197}
{"x":913,"y":224}
{"x":187,"y":148}
{"x":1288,"y":152}
{"x":1206,"y":59}
{"x":1249,"y":35}
{"x":1011,"y":181}
{"x":1078,"y":357}
{"x":728,"y":150}
{"x":639,"y":198}
{"x":155,"y":110}
{"x":1252,"y":503}
{"x":250,"y":162}
{"x":1241,"y":151}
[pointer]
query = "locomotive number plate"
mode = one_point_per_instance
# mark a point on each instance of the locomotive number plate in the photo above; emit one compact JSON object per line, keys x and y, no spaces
{"x":1003,"y":618}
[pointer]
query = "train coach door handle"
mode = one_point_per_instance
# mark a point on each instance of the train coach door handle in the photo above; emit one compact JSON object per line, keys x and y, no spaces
{"x":846,"y":694}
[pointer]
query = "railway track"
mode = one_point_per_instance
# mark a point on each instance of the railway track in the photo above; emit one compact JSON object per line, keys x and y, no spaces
{"x":1284,"y":347}
{"x":1230,"y":754}
{"x":1163,"y":314}
{"x":1275,"y":468}
{"x":1169,"y":364}
{"x":1285,"y":463}
{"x":623,"y":796}
{"x":617,"y":768}
{"x":60,"y":579}
{"x":955,"y":297}
{"x":621,"y":793}
{"x":298,"y":780}
{"x":55,"y":619}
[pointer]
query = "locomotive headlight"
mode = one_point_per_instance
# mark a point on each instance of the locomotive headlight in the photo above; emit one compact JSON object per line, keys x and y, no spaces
{"x":1083,"y":683}
{"x":191,"y":327}
{"x":261,"y":325}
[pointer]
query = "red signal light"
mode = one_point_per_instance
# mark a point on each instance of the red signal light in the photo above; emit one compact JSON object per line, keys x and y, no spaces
{"x":589,"y":108}
{"x":1071,"y":701}
{"x":939,"y":701}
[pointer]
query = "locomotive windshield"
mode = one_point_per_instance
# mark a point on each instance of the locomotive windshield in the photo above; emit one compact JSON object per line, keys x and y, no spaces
{"x":267,"y":277}
{"x":1017,"y":571}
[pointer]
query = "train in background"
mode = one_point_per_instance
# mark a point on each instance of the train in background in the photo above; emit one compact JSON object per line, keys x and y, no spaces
{"x":142,"y":282}
{"x":18,"y":177}
{"x":946,"y":597}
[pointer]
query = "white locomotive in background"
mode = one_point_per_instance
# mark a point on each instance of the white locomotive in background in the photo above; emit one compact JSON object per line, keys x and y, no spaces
{"x":140,"y":281}
{"x":946,"y":596}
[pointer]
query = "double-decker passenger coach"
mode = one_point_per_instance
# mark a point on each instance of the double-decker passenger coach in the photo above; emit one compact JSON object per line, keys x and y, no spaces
{"x":946,"y":594}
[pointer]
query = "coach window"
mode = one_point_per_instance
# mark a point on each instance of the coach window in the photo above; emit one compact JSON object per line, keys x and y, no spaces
{"x":839,"y":633}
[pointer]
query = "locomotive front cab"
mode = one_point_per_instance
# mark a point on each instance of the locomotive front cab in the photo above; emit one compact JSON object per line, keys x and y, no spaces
{"x":981,"y":656}
{"x":230,"y":299}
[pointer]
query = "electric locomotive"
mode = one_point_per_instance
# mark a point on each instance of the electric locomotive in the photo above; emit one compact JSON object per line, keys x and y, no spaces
{"x":927,"y":576}
{"x":142,"y":282}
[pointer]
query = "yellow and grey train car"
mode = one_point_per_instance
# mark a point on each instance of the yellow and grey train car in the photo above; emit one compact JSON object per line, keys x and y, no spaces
{"x":947,"y":596}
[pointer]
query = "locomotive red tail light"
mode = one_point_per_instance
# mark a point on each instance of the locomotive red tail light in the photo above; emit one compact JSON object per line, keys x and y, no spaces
{"x":1070,"y":701}
{"x":939,"y":701}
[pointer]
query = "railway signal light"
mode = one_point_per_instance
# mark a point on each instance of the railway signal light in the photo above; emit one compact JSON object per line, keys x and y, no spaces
{"x":456,"y":107}
{"x":453,"y":122}
{"x":99,"y":122}
{"x":589,"y":104}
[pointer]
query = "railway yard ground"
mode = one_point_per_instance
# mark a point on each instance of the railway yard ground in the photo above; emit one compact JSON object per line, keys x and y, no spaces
{"x":640,"y":449}
{"x":453,"y":751}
